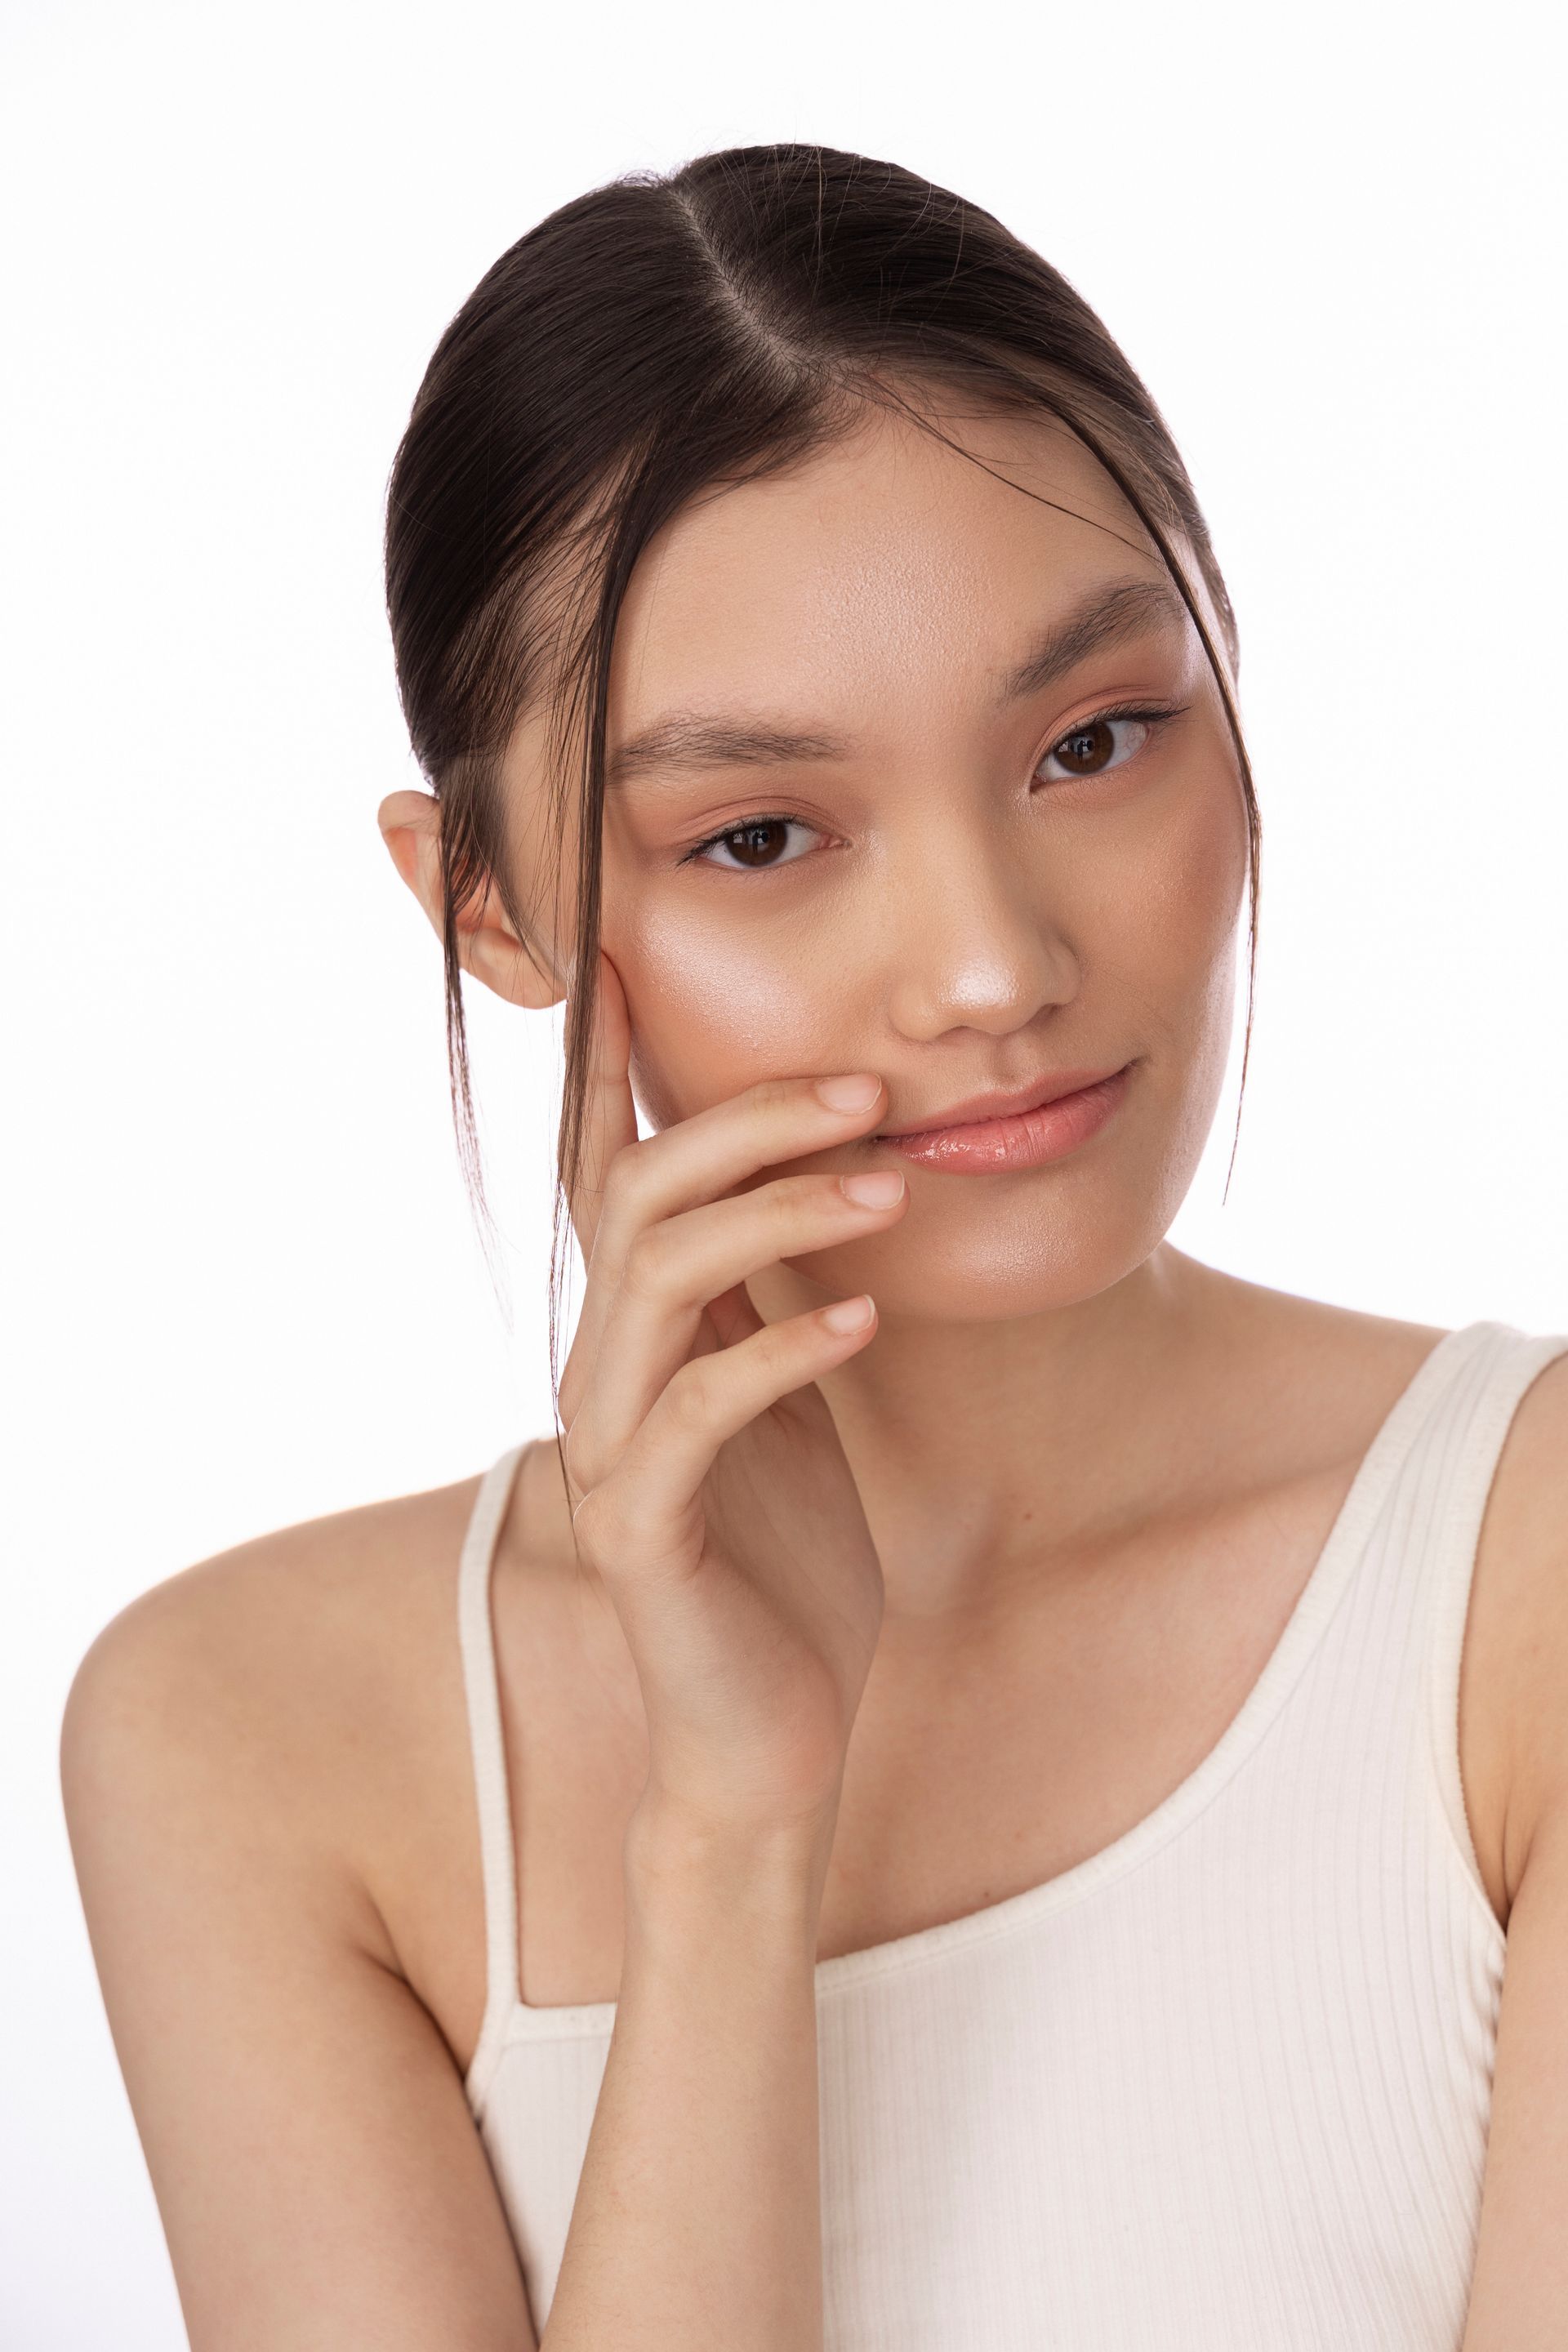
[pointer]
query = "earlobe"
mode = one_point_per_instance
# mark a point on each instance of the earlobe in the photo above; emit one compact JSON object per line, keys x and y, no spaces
{"x":488,"y":947}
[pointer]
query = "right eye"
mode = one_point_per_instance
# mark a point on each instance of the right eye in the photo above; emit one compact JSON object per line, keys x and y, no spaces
{"x":753,"y":846}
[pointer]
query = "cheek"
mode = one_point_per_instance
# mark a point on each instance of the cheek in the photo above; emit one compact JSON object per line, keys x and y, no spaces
{"x":718,"y":1002}
{"x":1175,"y":952}
{"x":1160,"y":921}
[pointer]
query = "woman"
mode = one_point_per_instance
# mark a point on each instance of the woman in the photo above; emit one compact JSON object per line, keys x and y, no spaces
{"x":978,"y":1842}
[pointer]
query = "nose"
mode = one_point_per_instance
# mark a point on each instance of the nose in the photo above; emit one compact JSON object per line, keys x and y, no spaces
{"x":971,"y":942}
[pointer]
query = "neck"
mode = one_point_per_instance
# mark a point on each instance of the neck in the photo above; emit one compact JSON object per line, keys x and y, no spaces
{"x":980,"y":1448}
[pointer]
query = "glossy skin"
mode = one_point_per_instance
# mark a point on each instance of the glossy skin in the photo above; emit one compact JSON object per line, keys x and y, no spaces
{"x":982,"y":925}
{"x":956,"y":922}
{"x":956,"y":913}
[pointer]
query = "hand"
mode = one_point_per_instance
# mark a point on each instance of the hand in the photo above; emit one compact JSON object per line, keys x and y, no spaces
{"x":710,"y":1491}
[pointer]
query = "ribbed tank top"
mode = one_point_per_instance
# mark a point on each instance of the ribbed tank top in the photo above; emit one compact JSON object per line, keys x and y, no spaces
{"x":1224,"y":2085}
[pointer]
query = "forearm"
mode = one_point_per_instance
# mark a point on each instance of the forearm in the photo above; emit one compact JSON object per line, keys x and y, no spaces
{"x":698,"y":2221}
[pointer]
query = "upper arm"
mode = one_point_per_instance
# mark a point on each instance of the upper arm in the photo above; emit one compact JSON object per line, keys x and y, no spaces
{"x":1519,"y":2291}
{"x":317,"y":2169}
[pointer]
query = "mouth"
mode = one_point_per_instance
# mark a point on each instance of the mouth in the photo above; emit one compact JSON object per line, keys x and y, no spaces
{"x":1023,"y":1130}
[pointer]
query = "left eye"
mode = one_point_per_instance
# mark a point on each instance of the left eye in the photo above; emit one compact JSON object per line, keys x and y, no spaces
{"x":752,"y":847}
{"x":1097,"y":744}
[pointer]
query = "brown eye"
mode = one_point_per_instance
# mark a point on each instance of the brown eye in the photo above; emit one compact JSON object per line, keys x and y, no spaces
{"x":1096,"y":745}
{"x":761,"y":842}
{"x":756,"y":845}
{"x":1087,"y":749}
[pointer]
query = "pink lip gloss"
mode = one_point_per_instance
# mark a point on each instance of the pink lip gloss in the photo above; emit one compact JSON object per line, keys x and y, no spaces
{"x":1029,"y":1139}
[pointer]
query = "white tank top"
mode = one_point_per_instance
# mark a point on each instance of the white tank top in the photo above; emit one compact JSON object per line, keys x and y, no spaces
{"x":1222,"y":2087}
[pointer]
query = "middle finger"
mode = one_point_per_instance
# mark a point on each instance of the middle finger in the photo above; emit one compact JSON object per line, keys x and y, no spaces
{"x":677,"y":1266}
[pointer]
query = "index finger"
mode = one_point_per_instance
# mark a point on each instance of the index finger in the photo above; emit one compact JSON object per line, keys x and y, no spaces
{"x":609,"y":1113}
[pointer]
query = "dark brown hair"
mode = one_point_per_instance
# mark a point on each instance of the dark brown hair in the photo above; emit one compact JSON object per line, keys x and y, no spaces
{"x":649,"y":338}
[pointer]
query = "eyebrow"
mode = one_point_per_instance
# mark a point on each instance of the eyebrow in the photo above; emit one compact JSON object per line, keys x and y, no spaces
{"x":1110,"y":615}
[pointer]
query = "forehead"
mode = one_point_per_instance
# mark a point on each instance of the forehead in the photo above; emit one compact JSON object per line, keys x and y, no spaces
{"x":887,"y":562}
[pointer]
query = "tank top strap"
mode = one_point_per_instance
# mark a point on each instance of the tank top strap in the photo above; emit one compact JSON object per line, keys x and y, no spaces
{"x":487,"y":1745}
{"x":1452,"y":1473}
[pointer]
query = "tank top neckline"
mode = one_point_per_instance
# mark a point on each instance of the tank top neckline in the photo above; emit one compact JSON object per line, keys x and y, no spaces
{"x":509,"y":2016}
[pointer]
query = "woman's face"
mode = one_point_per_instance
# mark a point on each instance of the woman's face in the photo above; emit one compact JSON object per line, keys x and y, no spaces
{"x":843,"y":832}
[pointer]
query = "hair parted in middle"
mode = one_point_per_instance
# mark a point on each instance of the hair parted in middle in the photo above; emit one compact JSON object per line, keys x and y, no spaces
{"x":655,"y":337}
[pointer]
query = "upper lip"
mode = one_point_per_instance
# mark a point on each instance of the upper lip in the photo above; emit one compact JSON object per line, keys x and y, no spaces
{"x":1007,"y":1106}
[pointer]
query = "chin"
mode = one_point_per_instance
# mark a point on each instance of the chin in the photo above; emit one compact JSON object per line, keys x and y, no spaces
{"x":984,"y":1250}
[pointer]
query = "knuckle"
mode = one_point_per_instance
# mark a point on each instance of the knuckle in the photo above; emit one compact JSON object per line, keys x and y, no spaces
{"x":794,"y":1203}
{"x":688,"y":1397}
{"x":782,"y":1344}
{"x":797,"y":1193}
{"x":622,"y":1173}
{"x":646,"y":1269}
{"x":771,"y":1094}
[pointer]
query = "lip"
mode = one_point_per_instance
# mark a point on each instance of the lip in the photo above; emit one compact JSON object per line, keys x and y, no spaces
{"x":1061,"y":1117}
{"x":979,"y":1108}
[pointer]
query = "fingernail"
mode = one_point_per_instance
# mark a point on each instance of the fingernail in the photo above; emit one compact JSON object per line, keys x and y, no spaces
{"x":849,"y":1314}
{"x":848,"y":1094}
{"x":877,"y":1191}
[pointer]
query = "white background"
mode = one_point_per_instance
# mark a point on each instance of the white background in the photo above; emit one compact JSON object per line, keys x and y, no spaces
{"x":242,"y":1288}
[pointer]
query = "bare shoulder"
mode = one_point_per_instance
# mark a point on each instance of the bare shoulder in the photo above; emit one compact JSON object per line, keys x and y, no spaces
{"x":1316,"y":1323}
{"x":273,"y":1676}
{"x":233,"y":1754}
{"x":1514,"y":1695}
{"x":274,"y":1614}
{"x":1338,"y":1369}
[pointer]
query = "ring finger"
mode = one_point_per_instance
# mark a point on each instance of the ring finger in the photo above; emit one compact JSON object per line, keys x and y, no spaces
{"x":675,"y":1268}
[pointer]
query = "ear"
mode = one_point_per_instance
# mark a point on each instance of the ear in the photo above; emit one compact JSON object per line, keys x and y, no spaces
{"x":488,"y":946}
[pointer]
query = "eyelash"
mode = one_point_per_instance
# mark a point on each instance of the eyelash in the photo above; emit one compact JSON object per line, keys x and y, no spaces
{"x":1152,"y":715}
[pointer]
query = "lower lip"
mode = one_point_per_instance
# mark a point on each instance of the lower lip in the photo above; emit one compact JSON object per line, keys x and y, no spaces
{"x":1029,"y":1139}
